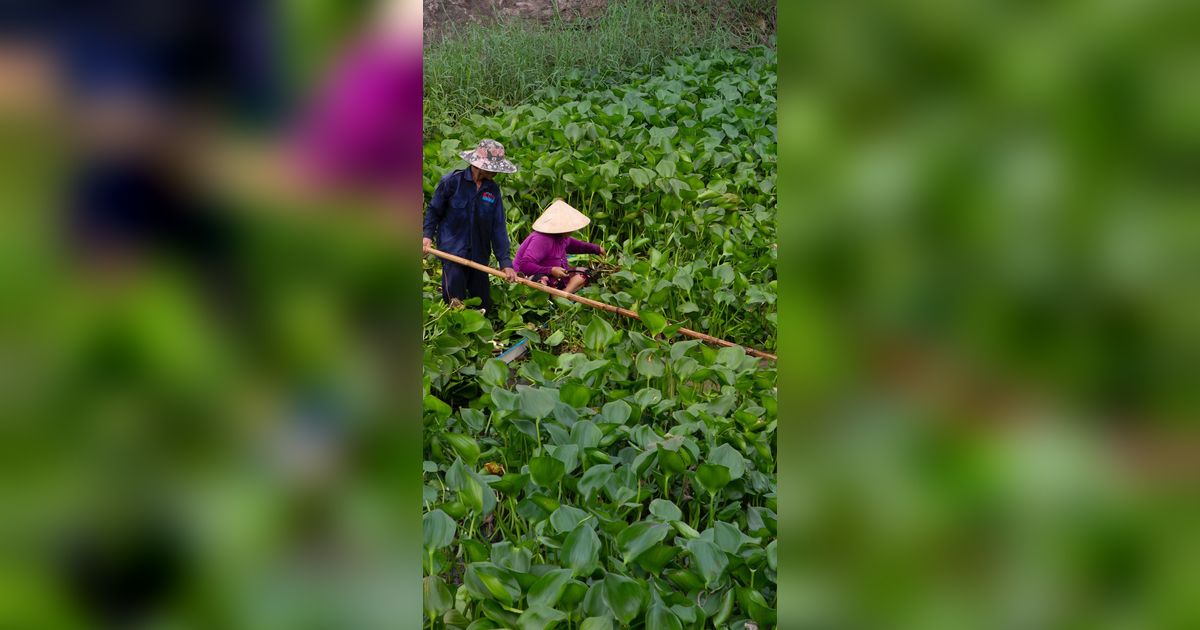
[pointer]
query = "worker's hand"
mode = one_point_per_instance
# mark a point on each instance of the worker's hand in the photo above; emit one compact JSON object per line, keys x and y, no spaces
{"x":602,"y":252}
{"x":558,"y":272}
{"x":510,"y":274}
{"x":425,"y":245}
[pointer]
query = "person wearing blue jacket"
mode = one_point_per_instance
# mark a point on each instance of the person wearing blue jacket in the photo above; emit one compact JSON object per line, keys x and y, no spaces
{"x":466,"y":217}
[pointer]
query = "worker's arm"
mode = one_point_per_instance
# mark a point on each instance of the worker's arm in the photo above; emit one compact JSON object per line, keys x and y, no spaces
{"x":575,"y":246}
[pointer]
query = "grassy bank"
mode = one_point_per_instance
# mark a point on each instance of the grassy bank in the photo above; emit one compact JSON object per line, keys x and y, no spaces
{"x":483,"y":67}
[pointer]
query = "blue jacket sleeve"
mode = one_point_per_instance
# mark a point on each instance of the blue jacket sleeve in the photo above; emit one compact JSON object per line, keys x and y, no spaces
{"x":500,"y":243}
{"x":436,"y":210}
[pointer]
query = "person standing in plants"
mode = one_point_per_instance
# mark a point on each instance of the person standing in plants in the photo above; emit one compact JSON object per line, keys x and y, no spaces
{"x":543,"y":255}
{"x":466,"y":216}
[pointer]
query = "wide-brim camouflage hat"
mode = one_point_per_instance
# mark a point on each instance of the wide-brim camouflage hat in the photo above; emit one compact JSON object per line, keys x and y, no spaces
{"x":489,"y":156}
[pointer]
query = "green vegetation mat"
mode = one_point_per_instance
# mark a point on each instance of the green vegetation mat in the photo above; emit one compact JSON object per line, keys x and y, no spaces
{"x":618,"y":477}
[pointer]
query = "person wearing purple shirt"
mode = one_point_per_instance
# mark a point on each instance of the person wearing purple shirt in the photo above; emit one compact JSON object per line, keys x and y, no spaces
{"x":543,"y":255}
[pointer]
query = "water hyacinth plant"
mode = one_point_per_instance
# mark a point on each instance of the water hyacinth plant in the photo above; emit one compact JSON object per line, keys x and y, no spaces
{"x":617,"y":476}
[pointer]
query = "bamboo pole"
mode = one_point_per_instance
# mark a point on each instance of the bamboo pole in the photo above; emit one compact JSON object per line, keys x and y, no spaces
{"x":594,"y":304}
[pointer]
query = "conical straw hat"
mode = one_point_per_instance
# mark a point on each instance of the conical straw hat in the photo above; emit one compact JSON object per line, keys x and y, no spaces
{"x":560,"y":218}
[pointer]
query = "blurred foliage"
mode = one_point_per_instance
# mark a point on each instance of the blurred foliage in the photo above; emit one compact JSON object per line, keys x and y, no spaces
{"x":218,"y":443}
{"x":989,"y":316}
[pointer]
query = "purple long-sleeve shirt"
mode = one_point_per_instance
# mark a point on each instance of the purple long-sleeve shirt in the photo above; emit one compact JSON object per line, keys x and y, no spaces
{"x":539,"y":252}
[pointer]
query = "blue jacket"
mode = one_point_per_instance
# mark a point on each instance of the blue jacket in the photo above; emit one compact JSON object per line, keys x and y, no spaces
{"x":468,"y":222}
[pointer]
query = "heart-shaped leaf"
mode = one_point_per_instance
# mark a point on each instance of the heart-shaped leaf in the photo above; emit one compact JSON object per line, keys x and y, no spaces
{"x":438,"y":529}
{"x":665,"y":510}
{"x":549,"y":588}
{"x":581,"y":551}
{"x":537,"y":402}
{"x":709,"y":559}
{"x":625,"y":596}
{"x":653,"y":321}
{"x":567,"y":518}
{"x":639,"y":537}
{"x":547,"y":470}
{"x":712,"y":477}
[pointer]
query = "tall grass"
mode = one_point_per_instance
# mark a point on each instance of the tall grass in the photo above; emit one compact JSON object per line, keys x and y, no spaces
{"x":483,"y":67}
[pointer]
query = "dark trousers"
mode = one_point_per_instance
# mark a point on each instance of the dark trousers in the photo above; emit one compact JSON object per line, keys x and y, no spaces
{"x":462,"y":282}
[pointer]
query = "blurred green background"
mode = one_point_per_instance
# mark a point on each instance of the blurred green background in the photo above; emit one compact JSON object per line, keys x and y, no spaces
{"x":235,"y":445}
{"x":990,"y":316}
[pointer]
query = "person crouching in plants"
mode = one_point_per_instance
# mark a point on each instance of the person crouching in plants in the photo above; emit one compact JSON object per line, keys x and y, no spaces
{"x":542,"y":256}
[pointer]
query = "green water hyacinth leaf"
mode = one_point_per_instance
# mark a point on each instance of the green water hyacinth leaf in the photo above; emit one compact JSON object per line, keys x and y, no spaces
{"x":475,"y":551}
{"x":506,"y":400}
{"x":708,"y":559}
{"x":568,"y":454}
{"x":511,"y":483}
{"x":654,"y":322}
{"x":685,"y":530}
{"x":581,"y":551}
{"x":547,"y":503}
{"x":730,"y":458}
{"x":724,"y":273}
{"x":438,"y":529}
{"x":753,"y":603}
{"x":439,"y":409}
{"x":509,"y":556}
{"x":598,"y":334}
{"x":436,"y":597}
{"x":593,"y":480}
{"x":725,"y":609}
{"x":487,"y":581}
{"x":647,"y":397}
{"x":597,"y":623}
{"x":473,"y":418}
{"x":665,"y":510}
{"x":533,"y":511}
{"x":639,"y":538}
{"x":572,"y":594}
{"x":671,"y":461}
{"x":575,"y":394}
{"x":555,"y":339}
{"x":617,"y":412}
{"x":685,"y":579}
{"x":539,"y":618}
{"x":498,"y":614}
{"x":773,"y":555}
{"x":537,"y":402}
{"x":494,"y":373}
{"x":661,"y":618}
{"x":656,"y":558}
{"x":641,"y":176}
{"x":626,"y":596}
{"x":547,"y":590}
{"x":649,"y":364}
{"x":471,"y":494}
{"x":466,"y":447}
{"x":546,"y":471}
{"x":586,"y":435}
{"x":573,"y":132}
{"x":567,"y":518}
{"x":712,"y":477}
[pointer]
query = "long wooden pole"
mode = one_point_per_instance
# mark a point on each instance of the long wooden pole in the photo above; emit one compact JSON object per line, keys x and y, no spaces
{"x":594,"y":304}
